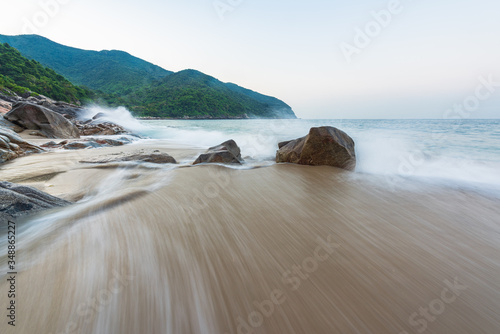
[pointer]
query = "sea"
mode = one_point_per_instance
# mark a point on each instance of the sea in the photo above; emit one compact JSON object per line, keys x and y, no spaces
{"x":461,"y":153}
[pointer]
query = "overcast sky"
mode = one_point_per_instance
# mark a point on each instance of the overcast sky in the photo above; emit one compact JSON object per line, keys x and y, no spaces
{"x":326,"y":58}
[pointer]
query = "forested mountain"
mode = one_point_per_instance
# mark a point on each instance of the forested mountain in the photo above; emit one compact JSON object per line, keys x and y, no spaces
{"x":194,"y":94}
{"x":20,"y":75}
{"x":117,"y":78}
{"x":113,"y":72}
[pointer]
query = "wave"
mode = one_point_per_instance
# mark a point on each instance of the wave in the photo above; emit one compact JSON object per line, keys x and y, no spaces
{"x":121,"y":116}
{"x":388,"y":152}
{"x":400,"y":159}
{"x":393,"y":150}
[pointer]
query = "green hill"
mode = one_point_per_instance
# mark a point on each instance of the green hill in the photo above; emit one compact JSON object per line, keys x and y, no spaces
{"x":194,"y":94}
{"x":113,"y":72}
{"x":20,"y":75}
{"x":146,"y":89}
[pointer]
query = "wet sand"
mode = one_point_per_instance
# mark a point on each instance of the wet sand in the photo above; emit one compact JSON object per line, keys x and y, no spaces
{"x":281,"y":249}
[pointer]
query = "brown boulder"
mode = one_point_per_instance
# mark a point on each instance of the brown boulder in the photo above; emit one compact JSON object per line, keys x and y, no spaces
{"x":324,"y":145}
{"x":35,"y":117}
{"x":227,"y":152}
{"x":229,"y":145}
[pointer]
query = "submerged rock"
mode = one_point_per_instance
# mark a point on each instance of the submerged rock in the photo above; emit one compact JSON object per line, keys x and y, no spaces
{"x":95,"y":143}
{"x":156,"y":158}
{"x":153,"y":157}
{"x":87,"y":143}
{"x":324,"y":145}
{"x":17,"y":201}
{"x":227,"y":152}
{"x":79,"y":145}
{"x":49,"y":123}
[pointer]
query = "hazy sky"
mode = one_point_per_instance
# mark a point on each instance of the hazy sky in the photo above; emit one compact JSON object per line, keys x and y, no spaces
{"x":326,"y":58}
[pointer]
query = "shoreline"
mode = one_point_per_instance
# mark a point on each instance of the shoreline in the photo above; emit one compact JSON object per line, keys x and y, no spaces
{"x":204,"y":247}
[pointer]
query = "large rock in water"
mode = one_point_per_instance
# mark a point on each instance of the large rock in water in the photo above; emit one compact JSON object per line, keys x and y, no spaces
{"x":325,"y":145}
{"x":227,"y":152}
{"x":34,"y":117}
{"x":17,"y":201}
{"x":13,"y":146}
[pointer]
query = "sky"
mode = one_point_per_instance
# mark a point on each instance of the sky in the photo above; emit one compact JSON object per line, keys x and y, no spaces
{"x":325,"y":58}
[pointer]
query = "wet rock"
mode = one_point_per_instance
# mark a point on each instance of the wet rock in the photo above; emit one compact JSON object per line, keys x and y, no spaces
{"x":109,"y":142}
{"x":35,"y":117}
{"x":9,"y":125}
{"x":322,"y":146}
{"x":17,"y":201}
{"x":98,"y":115}
{"x":96,"y":128}
{"x":154,"y":157}
{"x":80,"y":145}
{"x":228,"y":152}
{"x":12,"y":146}
{"x":93,"y":143}
{"x":50,"y":144}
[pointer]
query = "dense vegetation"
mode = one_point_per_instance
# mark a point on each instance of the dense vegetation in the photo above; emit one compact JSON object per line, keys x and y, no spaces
{"x":118,"y":78}
{"x":194,"y":94}
{"x":20,"y":75}
{"x":112,"y":72}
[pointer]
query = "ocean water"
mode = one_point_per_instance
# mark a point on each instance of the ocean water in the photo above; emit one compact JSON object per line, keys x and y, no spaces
{"x":459,"y":153}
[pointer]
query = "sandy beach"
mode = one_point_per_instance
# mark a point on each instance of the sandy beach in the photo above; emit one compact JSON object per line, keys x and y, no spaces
{"x":279,"y":249}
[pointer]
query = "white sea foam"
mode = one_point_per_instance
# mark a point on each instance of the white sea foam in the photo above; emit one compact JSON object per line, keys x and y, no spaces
{"x":466,"y":153}
{"x":120,"y":116}
{"x":464,"y":156}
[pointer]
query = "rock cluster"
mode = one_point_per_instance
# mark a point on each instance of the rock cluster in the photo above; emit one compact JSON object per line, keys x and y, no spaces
{"x":13,"y":146}
{"x":65,"y":109}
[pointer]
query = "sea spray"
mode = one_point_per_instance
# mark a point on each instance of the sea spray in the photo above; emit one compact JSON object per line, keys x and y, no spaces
{"x":121,"y":116}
